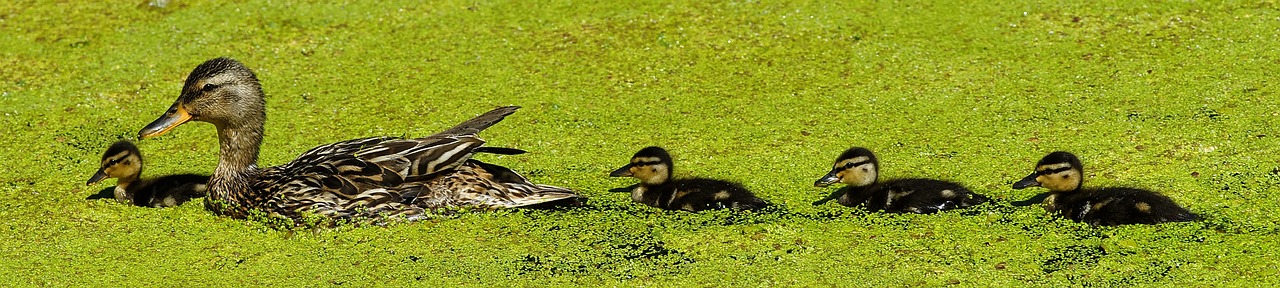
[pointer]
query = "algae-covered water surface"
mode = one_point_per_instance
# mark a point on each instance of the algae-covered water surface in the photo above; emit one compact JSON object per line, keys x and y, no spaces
{"x":1177,"y":97}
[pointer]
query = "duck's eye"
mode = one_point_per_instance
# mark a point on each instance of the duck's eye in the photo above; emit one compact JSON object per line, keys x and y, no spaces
{"x":848,"y":165}
{"x":209,"y":87}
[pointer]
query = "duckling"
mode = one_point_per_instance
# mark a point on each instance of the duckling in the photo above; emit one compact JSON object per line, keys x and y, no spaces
{"x":653,"y":166}
{"x":859,"y":169}
{"x":1062,"y":173}
{"x":123,"y":161}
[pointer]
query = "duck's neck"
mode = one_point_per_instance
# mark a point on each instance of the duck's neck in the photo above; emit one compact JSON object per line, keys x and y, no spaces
{"x":230,"y":186}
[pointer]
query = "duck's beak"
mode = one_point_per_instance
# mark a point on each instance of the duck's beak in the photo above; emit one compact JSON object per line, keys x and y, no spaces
{"x":625,"y":171}
{"x":825,"y":181}
{"x":1028,"y":181}
{"x":172,"y":118}
{"x":97,"y":177}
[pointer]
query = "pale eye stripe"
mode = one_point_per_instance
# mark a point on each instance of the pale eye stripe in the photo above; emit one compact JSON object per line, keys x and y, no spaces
{"x":1053,"y":171}
{"x":639,"y":160}
{"x":1053,"y":166}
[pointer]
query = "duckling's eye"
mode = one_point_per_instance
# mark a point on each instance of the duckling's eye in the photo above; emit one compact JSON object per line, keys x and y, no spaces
{"x":209,"y":87}
{"x":848,"y":165}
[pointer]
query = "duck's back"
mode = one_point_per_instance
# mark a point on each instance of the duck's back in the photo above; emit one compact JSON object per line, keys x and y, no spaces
{"x":360,"y":177}
{"x":388,"y":176}
{"x":1120,"y":206}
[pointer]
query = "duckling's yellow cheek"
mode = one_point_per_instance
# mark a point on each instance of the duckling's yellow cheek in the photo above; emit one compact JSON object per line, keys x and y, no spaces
{"x":641,"y":172}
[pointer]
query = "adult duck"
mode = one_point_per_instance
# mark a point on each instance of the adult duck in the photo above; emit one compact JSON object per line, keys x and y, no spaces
{"x":368,"y":178}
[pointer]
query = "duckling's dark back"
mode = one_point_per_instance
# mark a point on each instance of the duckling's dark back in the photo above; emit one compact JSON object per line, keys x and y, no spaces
{"x":1120,"y":206}
{"x":912,"y":195}
{"x":929,"y":195}
{"x":699,"y":194}
{"x":172,"y":190}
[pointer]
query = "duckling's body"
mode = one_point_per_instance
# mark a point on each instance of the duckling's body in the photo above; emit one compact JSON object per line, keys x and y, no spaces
{"x":123,"y":161}
{"x":367,"y":179}
{"x":859,"y":169}
{"x":1063,"y":174}
{"x":653,"y":166}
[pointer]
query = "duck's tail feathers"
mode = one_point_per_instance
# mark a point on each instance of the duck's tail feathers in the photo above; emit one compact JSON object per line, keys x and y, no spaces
{"x":521,"y":192}
{"x":479,"y":123}
{"x":533,"y":194}
{"x":499,"y":150}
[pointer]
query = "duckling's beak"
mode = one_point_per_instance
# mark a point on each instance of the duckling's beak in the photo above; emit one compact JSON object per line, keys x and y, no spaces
{"x":1028,"y":181}
{"x":825,"y":181}
{"x":625,"y":171}
{"x":172,"y":118}
{"x":97,"y":177}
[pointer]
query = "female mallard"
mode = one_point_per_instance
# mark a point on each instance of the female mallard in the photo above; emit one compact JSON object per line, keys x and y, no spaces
{"x":373,"y":178}
{"x":859,"y":169}
{"x":1063,"y":174}
{"x":652,"y":165}
{"x":123,"y":161}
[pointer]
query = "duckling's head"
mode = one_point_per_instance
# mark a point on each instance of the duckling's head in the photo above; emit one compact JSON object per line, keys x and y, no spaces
{"x":652,"y":165}
{"x":1059,"y":172}
{"x":220,"y":91}
{"x":855,"y":167}
{"x":122,"y":160}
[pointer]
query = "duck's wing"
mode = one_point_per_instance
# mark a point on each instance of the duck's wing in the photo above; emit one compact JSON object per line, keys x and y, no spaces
{"x":366,"y":174}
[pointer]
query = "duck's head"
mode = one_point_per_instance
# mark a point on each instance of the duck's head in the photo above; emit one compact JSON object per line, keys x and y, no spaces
{"x":1058,"y":172}
{"x":220,"y":91}
{"x":652,"y":165}
{"x":855,"y":167}
{"x":122,"y":160}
